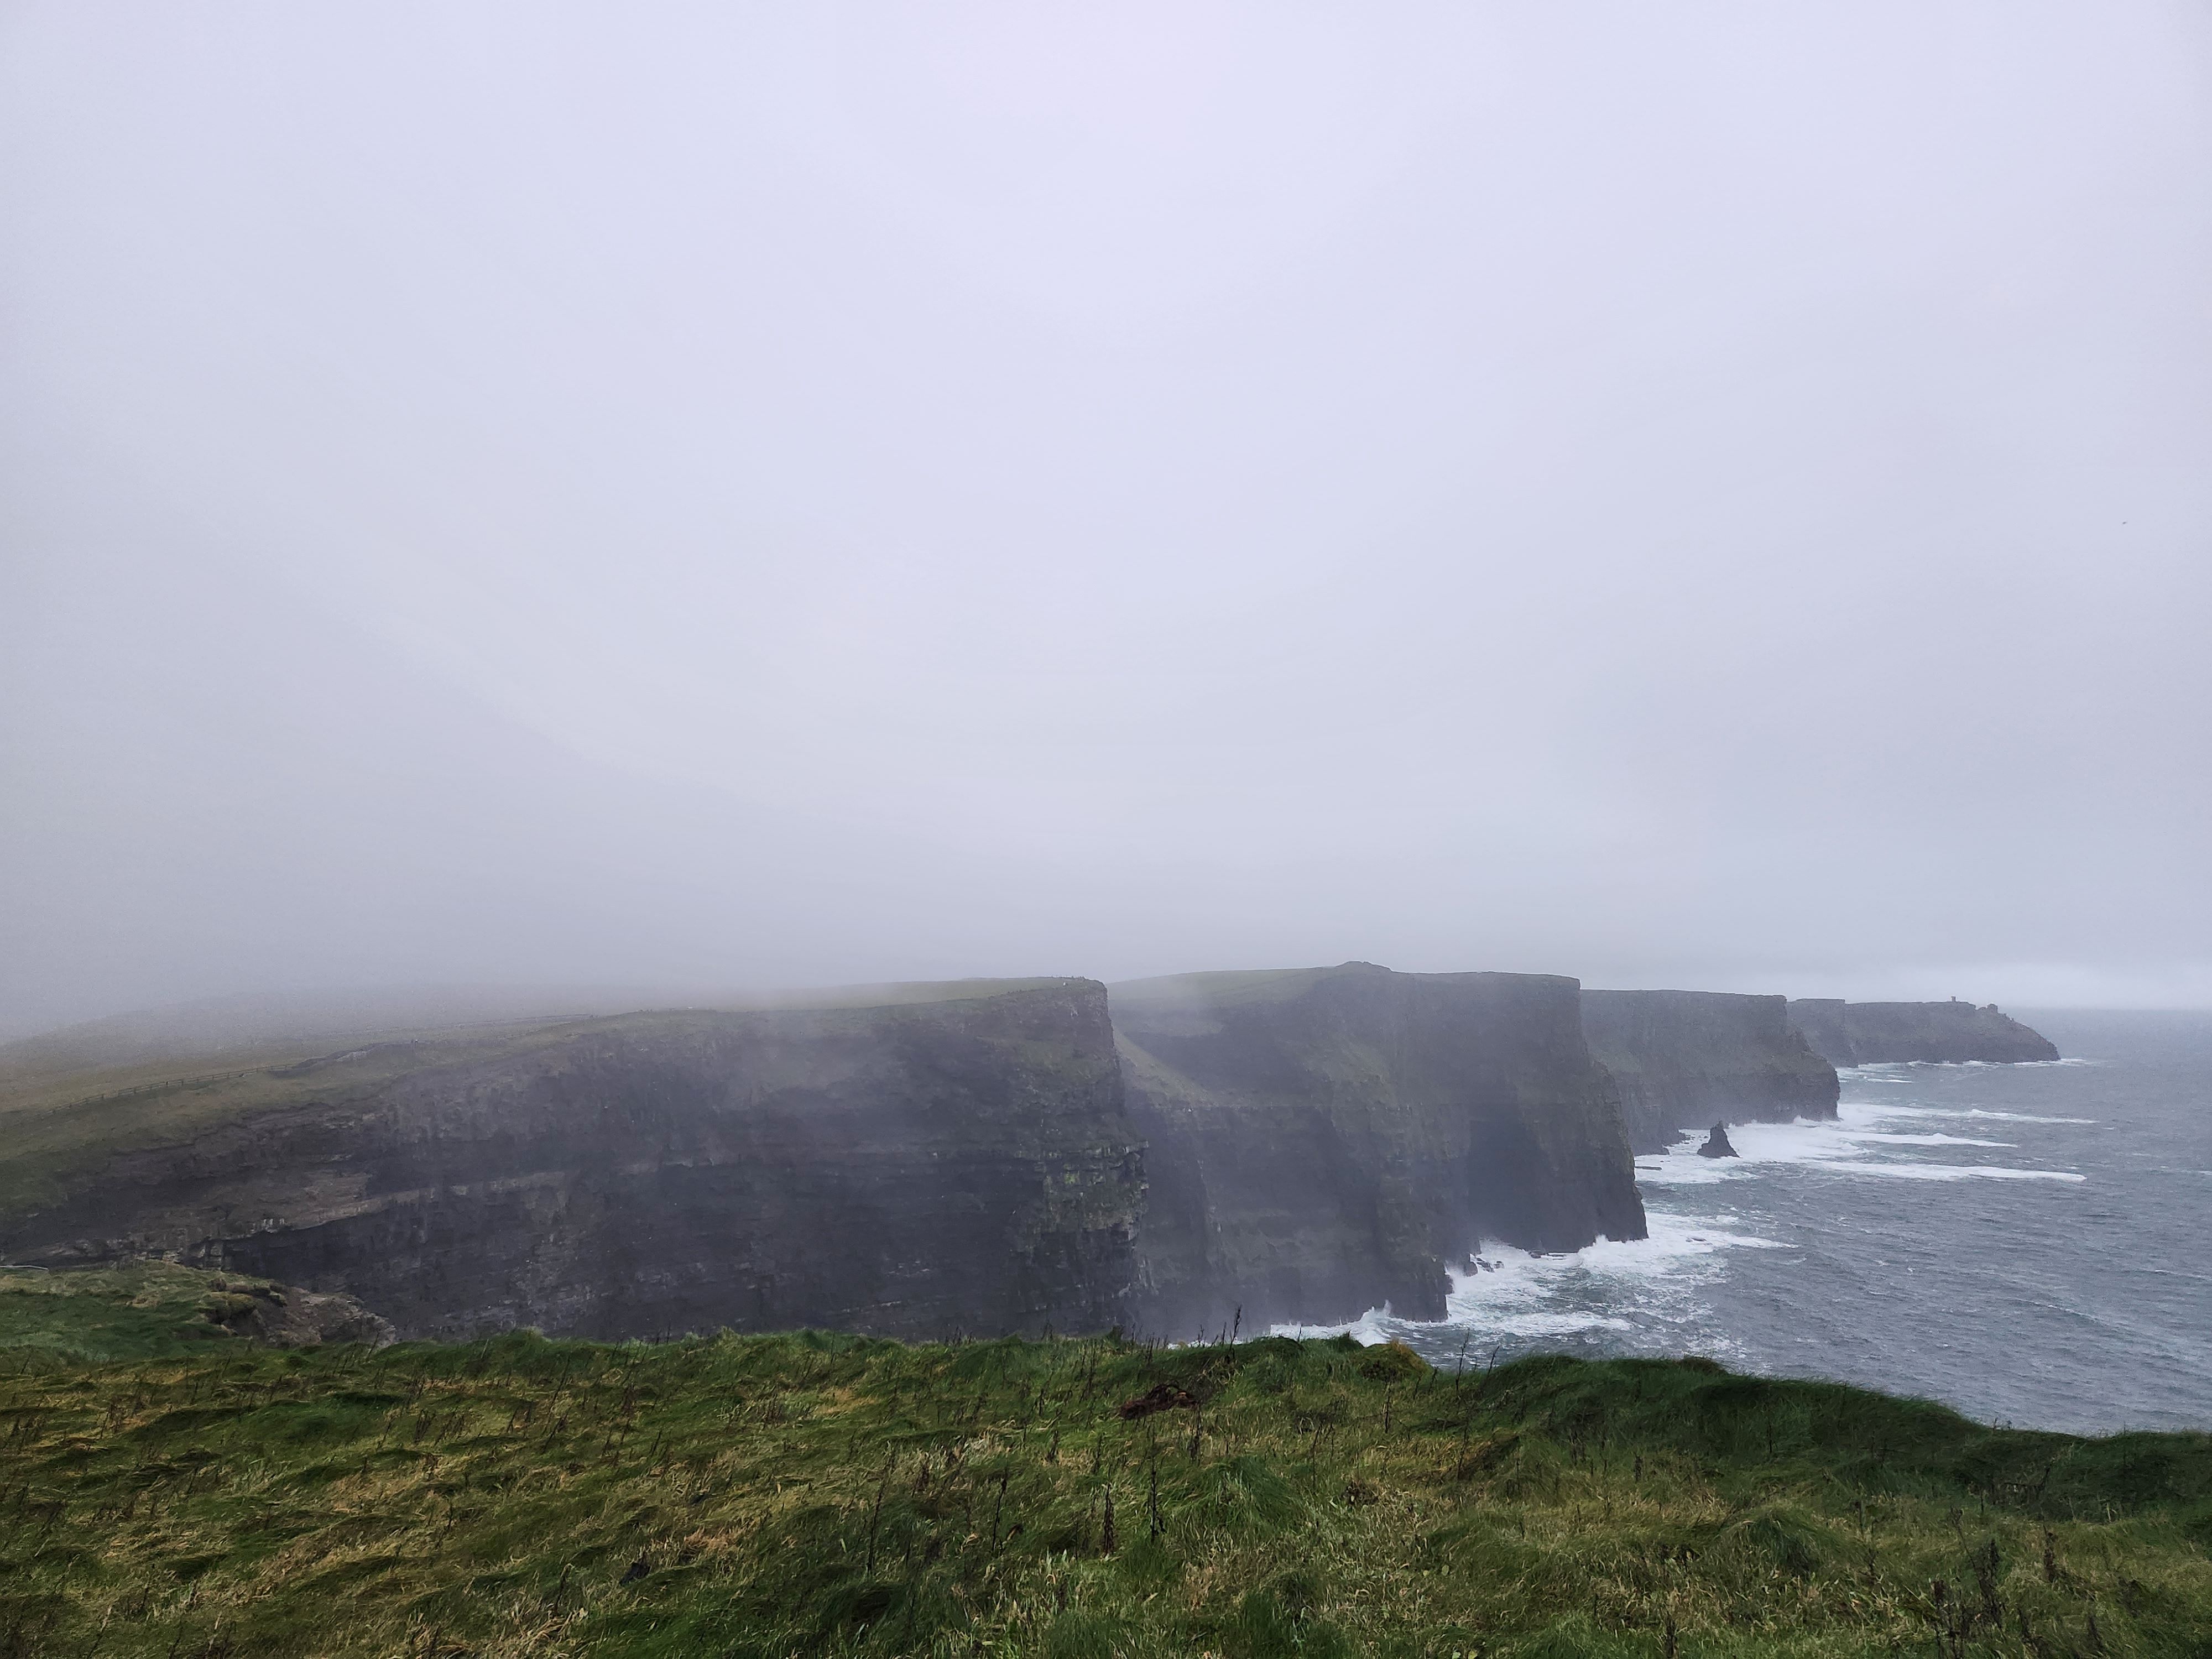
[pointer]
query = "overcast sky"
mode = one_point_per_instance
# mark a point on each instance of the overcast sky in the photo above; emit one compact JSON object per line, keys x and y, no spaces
{"x":1691,"y":494}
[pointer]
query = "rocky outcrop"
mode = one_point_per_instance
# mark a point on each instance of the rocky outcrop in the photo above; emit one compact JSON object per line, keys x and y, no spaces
{"x":1718,"y":1144}
{"x":913,"y":1169}
{"x":1324,"y":1141}
{"x":1682,"y":1059}
{"x":286,"y":1316}
{"x":1869,"y":1033}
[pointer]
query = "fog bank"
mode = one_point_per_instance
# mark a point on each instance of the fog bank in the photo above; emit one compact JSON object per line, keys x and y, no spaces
{"x":722,"y":497}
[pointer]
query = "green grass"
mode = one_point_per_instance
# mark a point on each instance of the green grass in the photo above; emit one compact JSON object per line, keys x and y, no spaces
{"x":815,"y":1493}
{"x":57,"y":1132}
{"x":139,"y":1310}
{"x":68,"y":1109}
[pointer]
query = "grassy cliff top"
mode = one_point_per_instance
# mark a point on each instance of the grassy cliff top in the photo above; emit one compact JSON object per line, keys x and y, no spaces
{"x":815,"y":1493}
{"x":69,"y":1100}
{"x":271,"y":1029}
{"x":1255,"y":985}
{"x":133,"y":1311}
{"x":1692,"y":998}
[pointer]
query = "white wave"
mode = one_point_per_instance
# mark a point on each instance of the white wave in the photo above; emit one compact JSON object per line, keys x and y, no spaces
{"x":1901,"y":1071}
{"x":1868,"y":1069}
{"x":1906,"y":1109}
{"x":1550,"y":1324}
{"x":1515,"y":1293}
{"x":1369,"y":1328}
{"x":2022,"y":1117}
{"x":1859,"y":1140}
{"x":1940,"y":1171}
{"x":1622,"y":1285}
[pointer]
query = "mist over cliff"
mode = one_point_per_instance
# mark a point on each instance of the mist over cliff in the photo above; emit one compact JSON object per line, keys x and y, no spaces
{"x":728,"y":497}
{"x":1327,"y":1142}
{"x":1177,"y":1155}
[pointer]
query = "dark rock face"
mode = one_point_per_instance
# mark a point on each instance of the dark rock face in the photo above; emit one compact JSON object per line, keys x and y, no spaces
{"x":285,"y":1316}
{"x":1682,"y":1057}
{"x":1323,"y":1141}
{"x":909,"y":1170}
{"x":1717,"y":1145}
{"x":1866,"y":1033}
{"x":1820,"y":1021}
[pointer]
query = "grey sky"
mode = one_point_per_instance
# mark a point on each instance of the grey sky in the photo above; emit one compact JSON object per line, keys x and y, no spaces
{"x":1709,"y":494}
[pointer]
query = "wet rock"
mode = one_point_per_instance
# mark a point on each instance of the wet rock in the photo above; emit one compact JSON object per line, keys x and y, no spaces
{"x":1718,"y":1144}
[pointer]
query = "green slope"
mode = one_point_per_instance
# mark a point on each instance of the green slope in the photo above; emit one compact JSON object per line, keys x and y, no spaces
{"x":814,"y":1493}
{"x":142,"y":1310}
{"x":72,"y":1100}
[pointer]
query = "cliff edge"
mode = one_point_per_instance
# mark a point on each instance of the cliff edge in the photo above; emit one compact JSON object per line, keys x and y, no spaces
{"x":1322,"y":1141}
{"x":913,"y":1169}
{"x":1869,"y":1033}
{"x":1685,"y":1059}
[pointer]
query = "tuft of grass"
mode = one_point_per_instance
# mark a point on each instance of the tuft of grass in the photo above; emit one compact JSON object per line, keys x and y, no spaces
{"x":819,"y":1494}
{"x":133,"y":1311}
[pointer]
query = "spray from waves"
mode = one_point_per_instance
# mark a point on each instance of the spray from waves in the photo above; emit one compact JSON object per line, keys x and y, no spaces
{"x":1656,"y":1296}
{"x":1947,"y":1171}
{"x":1636,"y":1295}
{"x":1976,"y":1111}
{"x":1873,"y":1070}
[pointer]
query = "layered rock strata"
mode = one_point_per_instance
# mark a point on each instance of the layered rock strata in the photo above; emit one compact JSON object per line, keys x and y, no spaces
{"x":1683,"y":1059}
{"x":1324,"y":1141}
{"x":1869,"y":1033}
{"x":913,"y":1171}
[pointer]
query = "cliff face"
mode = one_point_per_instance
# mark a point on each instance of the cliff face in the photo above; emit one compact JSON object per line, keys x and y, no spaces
{"x":1866,"y":1033}
{"x":1323,"y":1141}
{"x":1820,"y":1021}
{"x":909,"y":1170}
{"x":1685,"y":1060}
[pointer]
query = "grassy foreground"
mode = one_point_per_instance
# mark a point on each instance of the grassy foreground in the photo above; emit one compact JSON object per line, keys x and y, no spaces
{"x":816,"y":1493}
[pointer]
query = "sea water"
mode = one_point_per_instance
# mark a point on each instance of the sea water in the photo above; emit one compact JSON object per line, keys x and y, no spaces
{"x":2032,"y":1244}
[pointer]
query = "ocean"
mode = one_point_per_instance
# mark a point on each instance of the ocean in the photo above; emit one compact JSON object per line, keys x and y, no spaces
{"x":2027,"y":1243}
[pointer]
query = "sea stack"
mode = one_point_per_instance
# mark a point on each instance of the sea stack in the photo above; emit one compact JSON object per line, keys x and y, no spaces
{"x":1718,"y":1144}
{"x":1682,"y":1057}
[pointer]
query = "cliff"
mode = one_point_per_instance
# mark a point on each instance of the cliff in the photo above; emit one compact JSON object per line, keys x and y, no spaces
{"x":1322,"y":1141}
{"x":1866,"y":1033}
{"x":1685,"y":1059}
{"x":915,"y":1169}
